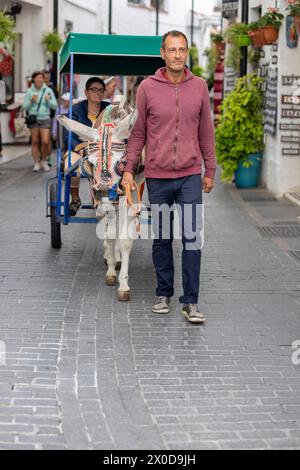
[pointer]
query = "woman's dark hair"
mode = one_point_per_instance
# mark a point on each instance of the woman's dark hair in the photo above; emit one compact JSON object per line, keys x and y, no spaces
{"x":138,"y":81}
{"x":92,"y":80}
{"x":35,"y":74}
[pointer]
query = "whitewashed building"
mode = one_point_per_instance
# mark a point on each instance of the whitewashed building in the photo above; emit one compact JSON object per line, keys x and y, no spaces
{"x":281,"y":162}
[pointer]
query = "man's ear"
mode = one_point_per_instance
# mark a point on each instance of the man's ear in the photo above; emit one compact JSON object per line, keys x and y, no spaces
{"x":85,"y":92}
{"x":162,"y":53}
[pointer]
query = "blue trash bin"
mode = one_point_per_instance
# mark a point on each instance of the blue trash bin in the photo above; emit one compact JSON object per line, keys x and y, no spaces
{"x":249,"y":177}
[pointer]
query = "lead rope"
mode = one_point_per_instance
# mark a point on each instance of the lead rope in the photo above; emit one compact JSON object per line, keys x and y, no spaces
{"x":137,"y":211}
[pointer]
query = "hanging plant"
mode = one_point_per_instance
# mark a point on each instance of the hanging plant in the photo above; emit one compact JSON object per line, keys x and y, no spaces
{"x":7,"y":25}
{"x":237,"y":33}
{"x":52,"y":41}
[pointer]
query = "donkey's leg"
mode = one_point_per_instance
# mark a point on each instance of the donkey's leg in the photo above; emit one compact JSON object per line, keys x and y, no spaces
{"x":111,"y":275}
{"x":118,"y":255}
{"x":124,"y":289}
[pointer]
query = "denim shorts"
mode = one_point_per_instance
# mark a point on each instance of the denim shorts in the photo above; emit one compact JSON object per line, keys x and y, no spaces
{"x":41,"y":124}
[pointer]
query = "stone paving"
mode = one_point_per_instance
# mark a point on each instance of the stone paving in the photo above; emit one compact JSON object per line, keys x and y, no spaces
{"x":84,"y":371}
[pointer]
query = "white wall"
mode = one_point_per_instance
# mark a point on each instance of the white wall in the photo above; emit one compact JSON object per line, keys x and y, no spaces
{"x":280,"y":172}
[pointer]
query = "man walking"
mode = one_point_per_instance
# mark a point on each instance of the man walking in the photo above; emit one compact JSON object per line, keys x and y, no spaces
{"x":174,"y":122}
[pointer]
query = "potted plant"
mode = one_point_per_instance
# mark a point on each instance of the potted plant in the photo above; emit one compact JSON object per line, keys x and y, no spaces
{"x":237,"y":33}
{"x":294,"y":10}
{"x":52,"y":41}
{"x":239,"y":135}
{"x":256,"y":34}
{"x":271,"y":22}
{"x":7,"y":25}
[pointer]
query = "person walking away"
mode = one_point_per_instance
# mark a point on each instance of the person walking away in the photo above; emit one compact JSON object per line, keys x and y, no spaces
{"x":38,"y":102}
{"x":174,"y":122}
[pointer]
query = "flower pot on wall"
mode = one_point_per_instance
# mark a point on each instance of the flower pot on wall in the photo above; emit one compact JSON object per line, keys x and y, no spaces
{"x":291,"y":32}
{"x":270,"y":34}
{"x":249,"y":177}
{"x":257,"y":37}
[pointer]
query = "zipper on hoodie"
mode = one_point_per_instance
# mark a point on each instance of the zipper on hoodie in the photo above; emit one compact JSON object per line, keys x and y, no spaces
{"x":177,"y":123}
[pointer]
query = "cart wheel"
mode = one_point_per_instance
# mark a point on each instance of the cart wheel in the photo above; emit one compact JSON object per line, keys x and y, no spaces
{"x":55,"y":226}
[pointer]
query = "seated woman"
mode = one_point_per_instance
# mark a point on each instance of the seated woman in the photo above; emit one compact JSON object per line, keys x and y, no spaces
{"x":86,"y":112}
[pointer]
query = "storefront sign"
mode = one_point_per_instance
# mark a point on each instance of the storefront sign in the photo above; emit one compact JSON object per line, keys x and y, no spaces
{"x":290,"y":113}
{"x":230,"y":8}
{"x":288,"y":80}
{"x":291,"y":151}
{"x":292,"y":139}
{"x":289,"y":127}
{"x":290,"y":99}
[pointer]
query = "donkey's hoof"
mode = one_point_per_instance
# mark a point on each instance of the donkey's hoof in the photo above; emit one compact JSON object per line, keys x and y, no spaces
{"x":111,"y":280}
{"x":118,"y":265}
{"x":124,"y":296}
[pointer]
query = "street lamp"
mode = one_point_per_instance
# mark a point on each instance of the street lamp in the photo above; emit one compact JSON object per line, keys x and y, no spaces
{"x":15,"y":10}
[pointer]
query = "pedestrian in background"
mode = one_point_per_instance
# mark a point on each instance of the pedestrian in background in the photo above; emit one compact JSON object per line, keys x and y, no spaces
{"x":174,"y":122}
{"x":38,"y":102}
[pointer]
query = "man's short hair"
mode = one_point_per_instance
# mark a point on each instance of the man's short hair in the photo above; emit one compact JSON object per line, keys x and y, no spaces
{"x":93,"y":80}
{"x":175,"y":34}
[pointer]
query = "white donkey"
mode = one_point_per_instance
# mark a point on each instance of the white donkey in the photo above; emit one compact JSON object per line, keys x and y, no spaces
{"x":103,"y":161}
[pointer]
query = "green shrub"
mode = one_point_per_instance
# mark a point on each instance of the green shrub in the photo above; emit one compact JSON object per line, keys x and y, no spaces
{"x":240,"y":131}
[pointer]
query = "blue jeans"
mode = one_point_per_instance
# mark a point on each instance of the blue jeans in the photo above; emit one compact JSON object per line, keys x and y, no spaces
{"x":186,"y":194}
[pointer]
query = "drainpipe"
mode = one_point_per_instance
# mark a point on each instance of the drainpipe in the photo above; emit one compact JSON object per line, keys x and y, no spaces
{"x":245,"y":19}
{"x":157,"y":17}
{"x":55,"y":57}
{"x":110,"y":17}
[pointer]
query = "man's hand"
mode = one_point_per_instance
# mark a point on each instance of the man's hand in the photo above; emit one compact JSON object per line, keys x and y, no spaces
{"x":127,"y":179}
{"x":208,"y":184}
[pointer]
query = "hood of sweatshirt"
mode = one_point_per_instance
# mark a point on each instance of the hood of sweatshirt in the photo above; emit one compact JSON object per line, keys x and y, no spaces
{"x":160,"y":75}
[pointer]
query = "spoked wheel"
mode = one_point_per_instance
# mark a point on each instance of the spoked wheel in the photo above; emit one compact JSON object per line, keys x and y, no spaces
{"x":55,"y":225}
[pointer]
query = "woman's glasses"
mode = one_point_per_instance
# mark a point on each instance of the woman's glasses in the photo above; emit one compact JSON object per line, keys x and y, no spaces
{"x":96,"y":90}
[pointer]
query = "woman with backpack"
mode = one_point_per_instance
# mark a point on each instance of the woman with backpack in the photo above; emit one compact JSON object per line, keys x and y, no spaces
{"x":39,"y":101}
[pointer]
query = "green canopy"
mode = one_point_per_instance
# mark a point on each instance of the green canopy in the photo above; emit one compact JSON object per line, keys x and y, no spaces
{"x":105,"y":54}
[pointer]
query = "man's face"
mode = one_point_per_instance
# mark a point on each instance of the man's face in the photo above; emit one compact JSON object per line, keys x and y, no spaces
{"x":175,"y":53}
{"x":95,"y":92}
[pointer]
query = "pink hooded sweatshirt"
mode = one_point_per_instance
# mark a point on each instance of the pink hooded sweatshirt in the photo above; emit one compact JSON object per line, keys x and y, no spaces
{"x":174,"y":122}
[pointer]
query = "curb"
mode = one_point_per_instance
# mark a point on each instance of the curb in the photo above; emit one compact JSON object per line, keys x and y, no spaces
{"x":4,"y":161}
{"x":293,"y":197}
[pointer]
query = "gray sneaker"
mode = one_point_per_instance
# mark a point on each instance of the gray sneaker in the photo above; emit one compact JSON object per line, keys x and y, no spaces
{"x":192,"y":313}
{"x":162,"y":305}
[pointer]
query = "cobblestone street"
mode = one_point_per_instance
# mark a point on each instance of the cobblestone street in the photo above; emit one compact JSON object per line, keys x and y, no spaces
{"x":84,"y":371}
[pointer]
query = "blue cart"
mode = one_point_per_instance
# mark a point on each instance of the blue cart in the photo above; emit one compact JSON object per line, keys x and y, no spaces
{"x":93,"y":54}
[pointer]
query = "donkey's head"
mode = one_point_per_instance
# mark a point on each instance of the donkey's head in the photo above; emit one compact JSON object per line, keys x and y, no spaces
{"x":106,"y":142}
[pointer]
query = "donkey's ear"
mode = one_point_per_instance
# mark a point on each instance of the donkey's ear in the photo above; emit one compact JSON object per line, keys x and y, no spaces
{"x":124,"y":127}
{"x":85,"y":133}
